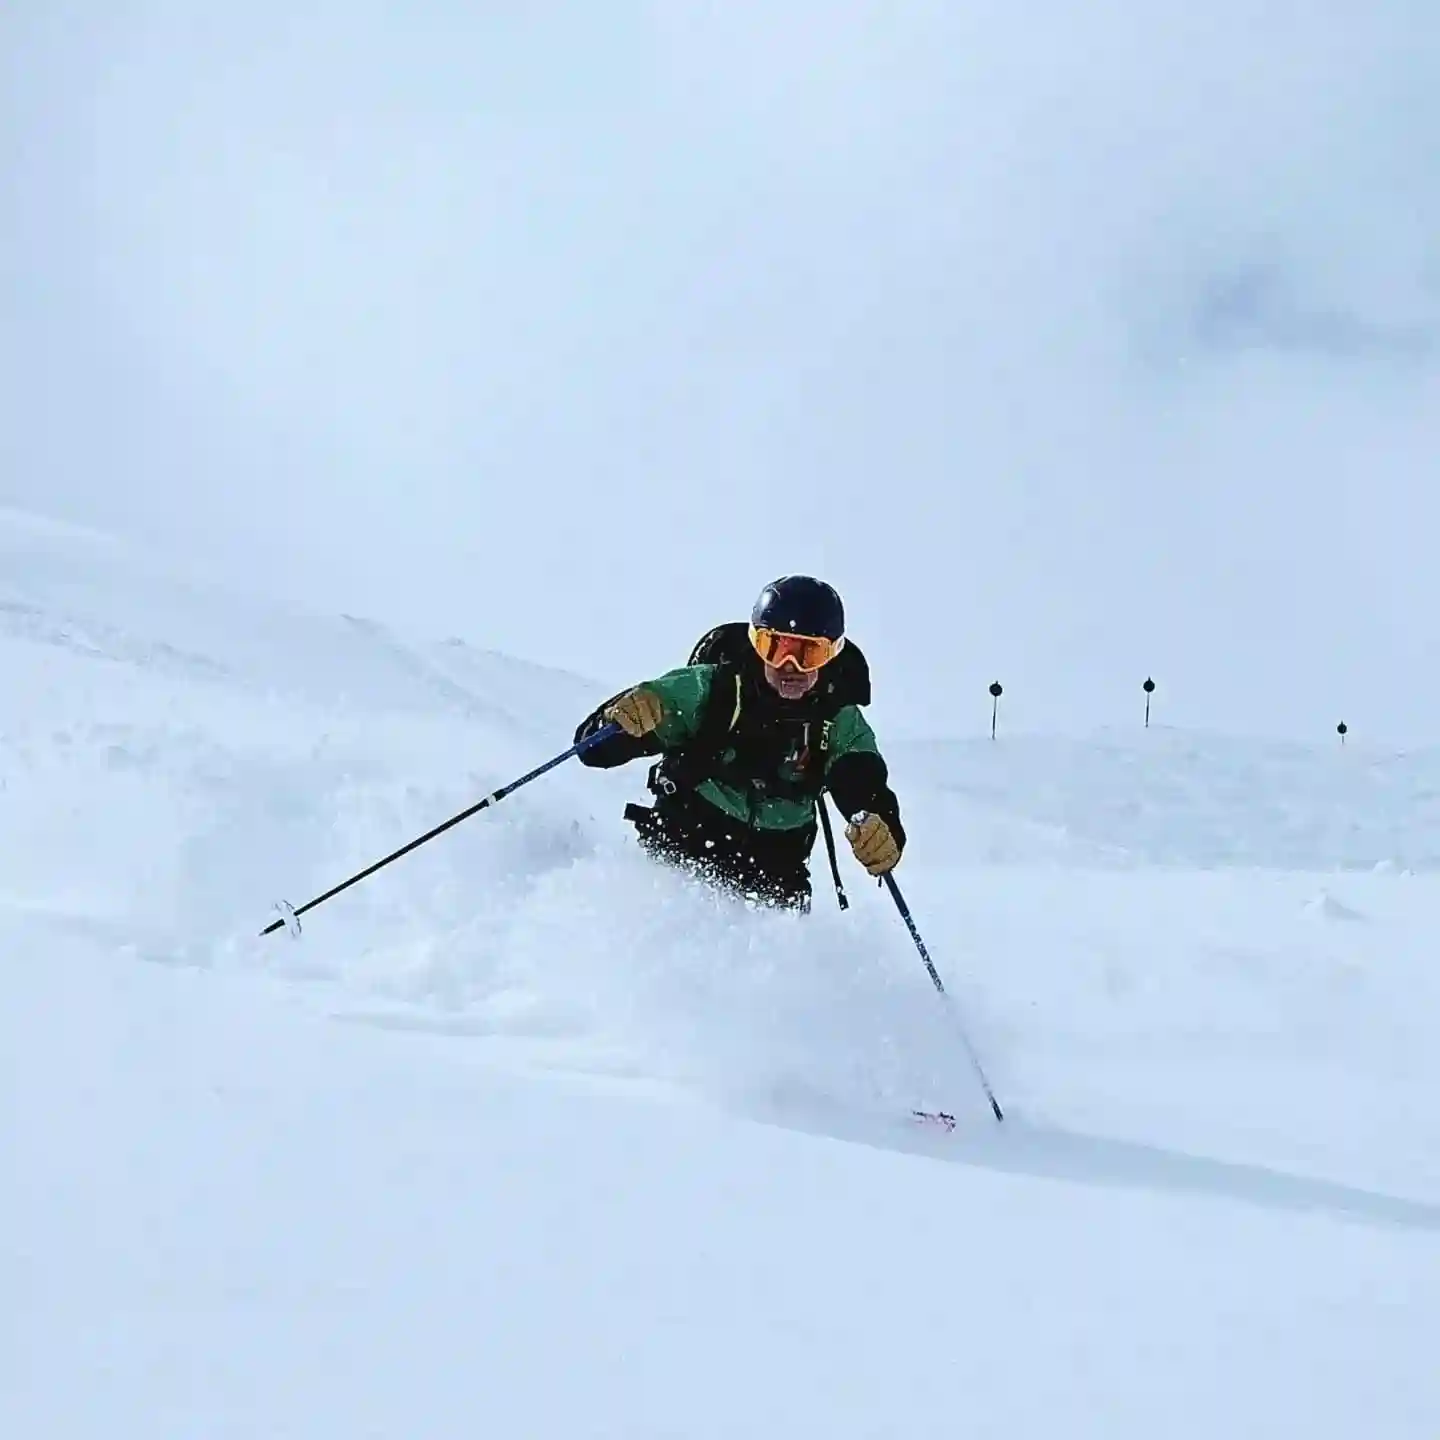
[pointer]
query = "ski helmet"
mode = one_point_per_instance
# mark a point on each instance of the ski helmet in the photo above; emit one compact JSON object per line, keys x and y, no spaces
{"x":800,"y":605}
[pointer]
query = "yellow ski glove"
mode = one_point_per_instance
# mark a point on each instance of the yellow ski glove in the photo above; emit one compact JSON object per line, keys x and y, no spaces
{"x":637,"y":713}
{"x":874,"y":845}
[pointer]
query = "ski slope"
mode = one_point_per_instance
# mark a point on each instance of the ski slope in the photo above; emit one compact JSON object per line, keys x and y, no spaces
{"x":527,"y":1137}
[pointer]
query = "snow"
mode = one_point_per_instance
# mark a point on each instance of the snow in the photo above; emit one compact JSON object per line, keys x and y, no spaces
{"x":525,"y":1136}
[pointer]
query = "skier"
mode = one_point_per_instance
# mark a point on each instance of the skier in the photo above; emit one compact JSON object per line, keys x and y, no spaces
{"x":750,"y":735}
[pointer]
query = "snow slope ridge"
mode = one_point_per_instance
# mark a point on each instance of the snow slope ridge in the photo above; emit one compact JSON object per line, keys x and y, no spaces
{"x":531,"y":1134}
{"x":102,"y":599}
{"x":1199,"y":801}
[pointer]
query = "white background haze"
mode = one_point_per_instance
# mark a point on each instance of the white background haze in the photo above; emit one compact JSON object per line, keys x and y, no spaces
{"x":1073,"y":343}
{"x":1090,"y":340}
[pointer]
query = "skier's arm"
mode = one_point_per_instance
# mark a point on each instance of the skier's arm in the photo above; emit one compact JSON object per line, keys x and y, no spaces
{"x":682,"y":695}
{"x":856,"y":773}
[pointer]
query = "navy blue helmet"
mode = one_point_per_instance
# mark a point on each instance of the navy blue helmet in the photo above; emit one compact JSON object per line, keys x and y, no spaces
{"x":800,"y":605}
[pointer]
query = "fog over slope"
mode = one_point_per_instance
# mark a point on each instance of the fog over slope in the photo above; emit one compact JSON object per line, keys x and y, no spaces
{"x":1073,"y":344}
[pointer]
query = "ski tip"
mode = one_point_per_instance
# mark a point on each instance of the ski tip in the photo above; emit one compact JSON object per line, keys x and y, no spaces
{"x":946,"y":1121}
{"x":941,"y":1118}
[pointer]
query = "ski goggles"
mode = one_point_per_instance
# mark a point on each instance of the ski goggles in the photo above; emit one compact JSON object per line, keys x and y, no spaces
{"x":779,"y":648}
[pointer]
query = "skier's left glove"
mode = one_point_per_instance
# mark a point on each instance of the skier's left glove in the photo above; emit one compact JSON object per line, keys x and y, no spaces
{"x":874,"y":844}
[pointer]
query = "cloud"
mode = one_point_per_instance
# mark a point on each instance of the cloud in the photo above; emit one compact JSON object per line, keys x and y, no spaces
{"x":1097,"y":338}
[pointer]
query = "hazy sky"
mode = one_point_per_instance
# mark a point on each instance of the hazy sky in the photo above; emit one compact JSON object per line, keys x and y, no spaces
{"x":1073,"y":342}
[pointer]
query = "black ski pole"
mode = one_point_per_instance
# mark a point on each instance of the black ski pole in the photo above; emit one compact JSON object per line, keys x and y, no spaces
{"x":287,"y":915}
{"x":909,"y":920}
{"x":840,"y":894}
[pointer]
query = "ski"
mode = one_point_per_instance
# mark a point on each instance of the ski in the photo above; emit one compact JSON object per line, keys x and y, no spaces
{"x":941,"y":1118}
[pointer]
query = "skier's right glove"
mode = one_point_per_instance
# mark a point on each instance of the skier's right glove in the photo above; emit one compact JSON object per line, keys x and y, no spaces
{"x":874,"y":844}
{"x":637,"y":713}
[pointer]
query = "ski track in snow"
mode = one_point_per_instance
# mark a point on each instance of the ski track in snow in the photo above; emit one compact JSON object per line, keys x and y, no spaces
{"x":1198,"y":969}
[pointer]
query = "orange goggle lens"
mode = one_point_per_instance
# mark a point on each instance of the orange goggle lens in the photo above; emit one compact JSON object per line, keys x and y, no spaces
{"x":804,"y":652}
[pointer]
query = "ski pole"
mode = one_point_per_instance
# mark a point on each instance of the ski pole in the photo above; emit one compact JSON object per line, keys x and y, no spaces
{"x":909,"y":920}
{"x":840,"y":894}
{"x":288,"y":915}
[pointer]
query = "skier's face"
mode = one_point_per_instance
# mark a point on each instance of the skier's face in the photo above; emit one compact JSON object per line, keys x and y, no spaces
{"x":790,"y":683}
